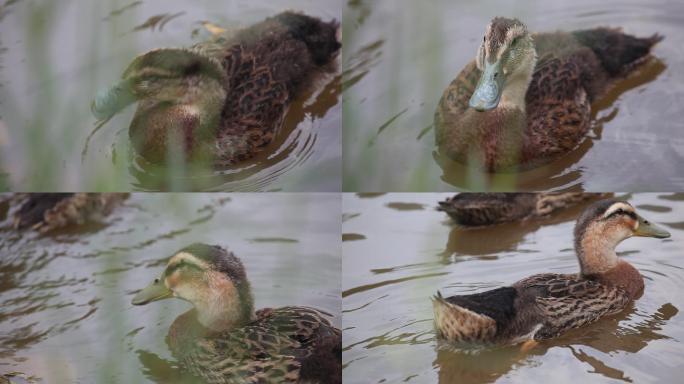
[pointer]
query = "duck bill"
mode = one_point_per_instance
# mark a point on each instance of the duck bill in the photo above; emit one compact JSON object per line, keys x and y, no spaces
{"x":112,"y":100}
{"x":153,"y":292}
{"x":648,"y":229}
{"x":488,"y":92}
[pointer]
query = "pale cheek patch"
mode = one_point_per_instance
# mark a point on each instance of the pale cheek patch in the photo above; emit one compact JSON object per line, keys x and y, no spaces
{"x":172,"y":281}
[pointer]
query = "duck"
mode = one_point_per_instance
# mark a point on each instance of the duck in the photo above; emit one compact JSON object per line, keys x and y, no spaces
{"x":525,"y":100}
{"x":223,"y":100}
{"x":484,"y":209}
{"x":46,"y":212}
{"x":544,"y":306}
{"x":222,"y":339}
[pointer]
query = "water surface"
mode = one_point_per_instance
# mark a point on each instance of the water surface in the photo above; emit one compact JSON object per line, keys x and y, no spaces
{"x":394,"y":260}
{"x":399,"y":56}
{"x":56,"y":55}
{"x":65,"y":300}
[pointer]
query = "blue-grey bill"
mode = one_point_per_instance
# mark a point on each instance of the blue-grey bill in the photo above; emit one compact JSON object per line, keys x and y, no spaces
{"x":110,"y":101}
{"x":649,"y":229}
{"x":153,"y":292}
{"x":488,"y":92}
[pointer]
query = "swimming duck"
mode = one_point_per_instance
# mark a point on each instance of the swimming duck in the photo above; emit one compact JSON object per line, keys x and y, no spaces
{"x":45,"y":212}
{"x":225,"y":99}
{"x":479,"y":209}
{"x":223,"y":340}
{"x":526,"y":98}
{"x":544,"y":306}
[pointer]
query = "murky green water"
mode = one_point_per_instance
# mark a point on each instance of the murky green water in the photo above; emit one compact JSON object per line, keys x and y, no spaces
{"x":399,"y":251}
{"x":65,"y":300}
{"x":56,"y":55}
{"x":399,"y":56}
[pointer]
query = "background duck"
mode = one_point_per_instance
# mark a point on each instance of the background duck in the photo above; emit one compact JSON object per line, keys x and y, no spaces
{"x":223,"y":340}
{"x":222,"y":100}
{"x":478,"y":209}
{"x":545,"y":305}
{"x":526,"y":98}
{"x":45,"y":212}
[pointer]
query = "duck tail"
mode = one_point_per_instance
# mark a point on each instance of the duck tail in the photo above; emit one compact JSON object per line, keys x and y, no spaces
{"x":457,"y":324}
{"x":618,"y":52}
{"x":322,"y":38}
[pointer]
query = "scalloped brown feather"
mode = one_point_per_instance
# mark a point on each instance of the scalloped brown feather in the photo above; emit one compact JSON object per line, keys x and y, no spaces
{"x":283,"y":345}
{"x":269,"y":65}
{"x":544,"y":306}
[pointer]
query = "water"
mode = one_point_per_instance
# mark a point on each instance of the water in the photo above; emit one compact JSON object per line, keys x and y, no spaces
{"x":65,"y":300}
{"x":399,"y":251}
{"x":56,"y":55}
{"x":399,"y":56}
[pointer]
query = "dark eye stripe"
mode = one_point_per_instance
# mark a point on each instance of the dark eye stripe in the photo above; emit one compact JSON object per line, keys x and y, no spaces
{"x":623,"y":212}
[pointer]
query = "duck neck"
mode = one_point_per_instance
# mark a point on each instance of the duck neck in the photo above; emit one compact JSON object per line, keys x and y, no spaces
{"x":596,"y":253}
{"x":599,"y":262}
{"x":226,"y":307}
{"x":514,"y":93}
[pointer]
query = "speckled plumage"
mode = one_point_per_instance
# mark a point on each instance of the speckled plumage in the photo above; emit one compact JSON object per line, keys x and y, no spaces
{"x":545,"y":305}
{"x":225,"y":99}
{"x":284,"y":345}
{"x":479,"y":209}
{"x":45,"y":212}
{"x":226,"y":341}
{"x":571,"y":70}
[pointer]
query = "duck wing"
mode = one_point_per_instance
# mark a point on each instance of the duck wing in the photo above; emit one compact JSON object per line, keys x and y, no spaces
{"x":568,"y":301}
{"x":558,"y":108}
{"x":272,"y":349}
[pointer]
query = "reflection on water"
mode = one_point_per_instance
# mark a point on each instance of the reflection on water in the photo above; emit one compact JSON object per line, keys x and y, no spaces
{"x":476,"y":241}
{"x":405,"y":256}
{"x":56,"y":56}
{"x":400,"y":58}
{"x":65,"y":312}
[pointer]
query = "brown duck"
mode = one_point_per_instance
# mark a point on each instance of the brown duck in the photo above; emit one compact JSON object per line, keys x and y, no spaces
{"x":222,"y":100}
{"x":223,"y":340}
{"x":546,"y":305}
{"x":480,"y":209}
{"x":45,"y":212}
{"x":526,"y":98}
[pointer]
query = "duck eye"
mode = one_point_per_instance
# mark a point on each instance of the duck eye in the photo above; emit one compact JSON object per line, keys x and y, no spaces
{"x":156,"y":281}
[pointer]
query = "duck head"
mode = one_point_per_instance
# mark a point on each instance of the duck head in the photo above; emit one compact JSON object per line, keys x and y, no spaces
{"x":181,"y":95}
{"x":212,"y":279}
{"x":602,"y":227}
{"x":506,"y":58}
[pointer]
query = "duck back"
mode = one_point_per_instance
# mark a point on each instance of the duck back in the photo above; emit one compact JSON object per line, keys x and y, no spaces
{"x":617,"y":51}
{"x":268,"y":66}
